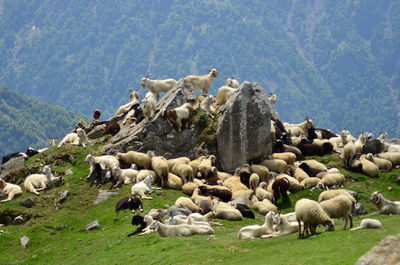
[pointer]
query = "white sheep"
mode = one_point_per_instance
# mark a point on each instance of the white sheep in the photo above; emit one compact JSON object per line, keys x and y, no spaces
{"x":198,"y":199}
{"x":206,"y":164}
{"x":310,"y":182}
{"x":179,"y":160}
{"x":330,"y":180}
{"x":257,"y":231}
{"x":142,"y":174}
{"x":339,"y":207}
{"x":261,"y":192}
{"x":78,"y":138}
{"x":134,"y":97}
{"x":359,"y":143}
{"x":106,"y":162}
{"x":275,"y":165}
{"x":9,"y":189}
{"x":188,"y":203}
{"x":382,"y":164}
{"x":201,"y":82}
{"x":385,"y":206}
{"x":180,"y":230}
{"x":393,"y":157}
{"x":369,"y":168}
{"x":126,"y":176}
{"x":394,"y":148}
{"x":184,"y":171}
{"x":148,"y":105}
{"x":283,"y":226}
{"x":224,"y":94}
{"x":288,"y":157}
{"x":160,"y":166}
{"x":329,"y":194}
{"x":368,"y":223}
{"x":231,"y":82}
{"x":311,"y":214}
{"x":158,"y":86}
{"x":38,"y":182}
{"x":300,"y":129}
{"x":143,"y":187}
{"x":174,"y":182}
{"x":264,"y":206}
{"x":254,"y":180}
{"x":262,"y":171}
{"x":139,"y":159}
{"x":226,"y":212}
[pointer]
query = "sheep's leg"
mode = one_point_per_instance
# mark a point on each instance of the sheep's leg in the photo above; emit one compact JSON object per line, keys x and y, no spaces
{"x":300,"y":229}
{"x":345,"y":222}
{"x":351,"y":220}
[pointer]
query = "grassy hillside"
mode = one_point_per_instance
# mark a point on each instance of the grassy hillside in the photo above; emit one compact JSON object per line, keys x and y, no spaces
{"x":58,"y":236}
{"x":29,"y":122}
{"x":340,"y":57}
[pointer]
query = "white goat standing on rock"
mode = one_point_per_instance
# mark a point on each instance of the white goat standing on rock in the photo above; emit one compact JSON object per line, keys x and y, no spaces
{"x":202,"y":82}
{"x":158,"y":86}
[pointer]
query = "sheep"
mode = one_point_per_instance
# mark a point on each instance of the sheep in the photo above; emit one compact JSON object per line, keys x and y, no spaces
{"x":126,"y":176}
{"x":257,"y":231}
{"x":294,"y":184}
{"x":339,"y":207}
{"x":254,"y":181}
{"x":283,"y":226}
{"x":180,"y":230}
{"x":311,"y":214}
{"x":188,"y":203}
{"x":263,"y":207}
{"x":198,"y":199}
{"x":224,"y":94}
{"x":383,"y":164}
{"x":158,"y":86}
{"x":272,"y":99}
{"x":394,"y":148}
{"x":184,"y":171}
{"x":299,"y":129}
{"x":160,"y":166}
{"x":202,"y":218}
{"x":174,"y":182}
{"x":9,"y":189}
{"x":134,"y":115}
{"x":280,"y":147}
{"x":201,"y":82}
{"x":143,"y":187}
{"x":178,"y":114}
{"x":275,"y":165}
{"x":138,"y":220}
{"x":262,"y":171}
{"x":245,"y":210}
{"x":310,"y":182}
{"x":224,"y":195}
{"x":280,"y":188}
{"x":142,"y":174}
{"x":231,"y":82}
{"x":314,"y":166}
{"x":368,"y":224}
{"x":300,"y":174}
{"x":206,"y":105}
{"x":148,"y":105}
{"x":178,"y":210}
{"x":78,"y":138}
{"x":369,"y":168}
{"x":308,"y":149}
{"x":288,"y":157}
{"x":373,"y":146}
{"x":329,"y":194}
{"x":179,"y":160}
{"x":226,"y":212}
{"x":206,"y":164}
{"x":38,"y":182}
{"x":130,"y":203}
{"x":99,"y":175}
{"x":195,"y":164}
{"x":384,"y":206}
{"x":141,"y":160}
{"x":330,"y":180}
{"x":189,"y":187}
{"x":134,"y":96}
{"x":261,"y":193}
{"x":360,"y":142}
{"x":393,"y":157}
{"x":106,"y":162}
{"x":212,"y":177}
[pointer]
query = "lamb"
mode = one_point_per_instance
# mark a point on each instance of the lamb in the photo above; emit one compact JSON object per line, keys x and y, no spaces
{"x":160,"y":166}
{"x":174,"y":182}
{"x":368,"y":224}
{"x":188,"y":203}
{"x":179,"y":114}
{"x":226,"y":212}
{"x":180,"y":230}
{"x":311,"y":214}
{"x":130,"y":203}
{"x":330,"y":180}
{"x":9,"y":189}
{"x":38,"y":182}
{"x":141,"y":160}
{"x":275,"y":165}
{"x":134,"y":96}
{"x":158,"y":86}
{"x":184,"y":171}
{"x":384,"y":206}
{"x":148,"y":105}
{"x":382,"y":164}
{"x":231,"y":82}
{"x":339,"y":207}
{"x":143,"y":187}
{"x":369,"y":168}
{"x":206,"y":164}
{"x":78,"y":138}
{"x":201,"y":82}
{"x":126,"y":176}
{"x":393,"y":157}
{"x":257,"y":231}
{"x":224,"y":94}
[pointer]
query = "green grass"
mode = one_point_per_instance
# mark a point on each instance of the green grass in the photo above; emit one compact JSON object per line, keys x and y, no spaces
{"x":59,"y":237}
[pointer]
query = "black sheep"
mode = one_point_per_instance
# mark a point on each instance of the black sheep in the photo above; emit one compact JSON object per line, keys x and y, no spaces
{"x":245,"y":210}
{"x":8,"y":157}
{"x":99,"y":176}
{"x":222,"y":194}
{"x":31,"y":152}
{"x":130,"y":203}
{"x":308,"y":149}
{"x":244,"y":174}
{"x":212,"y":177}
{"x":138,"y":220}
{"x":373,"y":146}
{"x":280,"y":188}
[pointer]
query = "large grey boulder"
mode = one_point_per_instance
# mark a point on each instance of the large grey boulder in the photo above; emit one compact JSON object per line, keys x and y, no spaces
{"x":157,"y":134}
{"x":387,"y":252}
{"x":11,"y":165}
{"x":244,"y":129}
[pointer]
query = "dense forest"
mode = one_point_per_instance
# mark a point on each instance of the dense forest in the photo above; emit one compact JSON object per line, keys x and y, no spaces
{"x":337,"y":62}
{"x":30,"y":122}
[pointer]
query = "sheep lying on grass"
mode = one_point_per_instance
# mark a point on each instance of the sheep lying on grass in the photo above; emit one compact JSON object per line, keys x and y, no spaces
{"x":180,"y":230}
{"x":78,"y":138}
{"x":38,"y":182}
{"x":257,"y":231}
{"x":143,"y":187}
{"x":130,"y":203}
{"x":385,"y":206}
{"x":368,"y":224}
{"x":9,"y":189}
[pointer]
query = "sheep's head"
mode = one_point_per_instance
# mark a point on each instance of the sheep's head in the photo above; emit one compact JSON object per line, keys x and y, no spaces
{"x":329,"y":226}
{"x":144,"y":81}
{"x":212,"y":158}
{"x":229,"y":81}
{"x":46,"y":170}
{"x":115,"y":170}
{"x":134,"y":95}
{"x":89,"y":158}
{"x":213,"y":73}
{"x":80,"y":132}
{"x":376,"y":197}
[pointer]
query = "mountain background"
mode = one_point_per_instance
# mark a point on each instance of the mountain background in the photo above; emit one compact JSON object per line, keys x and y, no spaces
{"x":334,"y":61}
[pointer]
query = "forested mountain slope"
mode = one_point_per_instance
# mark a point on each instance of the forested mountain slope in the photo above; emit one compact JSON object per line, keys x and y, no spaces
{"x":337,"y":62}
{"x":28,"y":122}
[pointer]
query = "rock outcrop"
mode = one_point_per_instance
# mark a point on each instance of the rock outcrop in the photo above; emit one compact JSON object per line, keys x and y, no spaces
{"x":387,"y":252}
{"x":244,"y":129}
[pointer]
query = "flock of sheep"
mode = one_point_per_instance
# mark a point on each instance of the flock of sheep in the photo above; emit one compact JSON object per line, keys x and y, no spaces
{"x":233,"y":196}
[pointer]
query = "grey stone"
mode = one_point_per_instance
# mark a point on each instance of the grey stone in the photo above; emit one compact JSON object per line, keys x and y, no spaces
{"x":63,"y":196}
{"x":29,"y":202}
{"x":244,"y":128}
{"x":11,"y":165}
{"x":103,"y":195}
{"x":24,"y":241}
{"x":386,"y":252}
{"x":157,"y":134}
{"x":93,"y":225}
{"x":19,"y":220}
{"x":68,"y":172}
{"x":96,"y":132}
